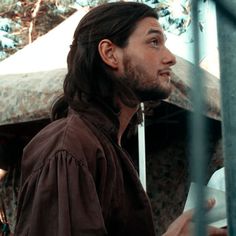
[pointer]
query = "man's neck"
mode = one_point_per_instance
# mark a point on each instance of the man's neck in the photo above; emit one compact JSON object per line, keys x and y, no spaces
{"x":126,"y":114}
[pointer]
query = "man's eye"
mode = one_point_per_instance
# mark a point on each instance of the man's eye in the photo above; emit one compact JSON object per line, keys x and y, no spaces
{"x":155,"y":42}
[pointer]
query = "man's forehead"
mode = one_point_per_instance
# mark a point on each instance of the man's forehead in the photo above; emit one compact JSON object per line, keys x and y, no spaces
{"x":149,"y":25}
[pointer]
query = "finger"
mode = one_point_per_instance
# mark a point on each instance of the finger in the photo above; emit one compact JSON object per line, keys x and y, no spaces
{"x":185,"y":217}
{"x":212,"y":231}
{"x":181,"y":222}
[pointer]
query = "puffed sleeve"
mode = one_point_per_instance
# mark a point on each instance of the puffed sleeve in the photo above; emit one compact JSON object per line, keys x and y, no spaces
{"x":60,"y":199}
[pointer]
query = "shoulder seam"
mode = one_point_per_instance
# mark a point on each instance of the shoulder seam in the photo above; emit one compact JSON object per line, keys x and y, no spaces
{"x":40,"y":166}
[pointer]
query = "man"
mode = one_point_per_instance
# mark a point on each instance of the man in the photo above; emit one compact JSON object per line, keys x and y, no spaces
{"x":76,"y":177}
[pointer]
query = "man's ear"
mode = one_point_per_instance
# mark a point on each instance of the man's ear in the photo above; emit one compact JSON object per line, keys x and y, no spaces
{"x":109,"y":53}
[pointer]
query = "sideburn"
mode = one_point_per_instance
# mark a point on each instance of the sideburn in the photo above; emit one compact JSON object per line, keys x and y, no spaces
{"x":121,"y":89}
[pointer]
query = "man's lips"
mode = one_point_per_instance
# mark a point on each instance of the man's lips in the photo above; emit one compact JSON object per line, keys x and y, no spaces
{"x":165,"y":72}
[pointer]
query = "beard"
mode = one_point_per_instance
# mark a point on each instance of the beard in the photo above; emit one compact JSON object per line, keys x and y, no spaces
{"x":145,"y":86}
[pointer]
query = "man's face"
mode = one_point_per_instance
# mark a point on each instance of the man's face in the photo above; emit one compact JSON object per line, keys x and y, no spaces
{"x":146,"y":62}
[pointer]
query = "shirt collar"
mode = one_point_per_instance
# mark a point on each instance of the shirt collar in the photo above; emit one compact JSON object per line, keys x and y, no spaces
{"x":102,"y":118}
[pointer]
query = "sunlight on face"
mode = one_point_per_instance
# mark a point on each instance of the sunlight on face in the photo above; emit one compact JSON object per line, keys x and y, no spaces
{"x":147,"y":62}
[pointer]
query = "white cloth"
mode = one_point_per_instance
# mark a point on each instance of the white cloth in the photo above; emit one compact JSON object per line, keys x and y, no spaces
{"x":217,"y":180}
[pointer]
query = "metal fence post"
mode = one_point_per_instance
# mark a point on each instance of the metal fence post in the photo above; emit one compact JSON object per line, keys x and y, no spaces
{"x":198,"y":130}
{"x":226,"y":22}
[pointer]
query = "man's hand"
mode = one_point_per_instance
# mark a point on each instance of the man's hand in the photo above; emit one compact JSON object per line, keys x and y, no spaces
{"x":183,"y":225}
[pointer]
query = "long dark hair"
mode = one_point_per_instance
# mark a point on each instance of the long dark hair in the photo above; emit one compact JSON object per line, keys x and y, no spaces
{"x":89,"y":79}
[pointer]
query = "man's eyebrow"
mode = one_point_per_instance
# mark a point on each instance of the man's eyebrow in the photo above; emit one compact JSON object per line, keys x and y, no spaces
{"x":156,"y":31}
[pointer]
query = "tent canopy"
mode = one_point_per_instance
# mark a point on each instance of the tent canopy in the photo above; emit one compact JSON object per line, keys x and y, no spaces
{"x":28,"y":91}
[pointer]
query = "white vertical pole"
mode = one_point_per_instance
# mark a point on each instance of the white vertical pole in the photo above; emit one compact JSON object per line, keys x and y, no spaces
{"x":142,"y":151}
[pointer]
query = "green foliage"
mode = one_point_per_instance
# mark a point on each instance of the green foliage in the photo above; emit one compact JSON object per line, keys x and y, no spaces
{"x":174,"y":16}
{"x":8,"y":40}
{"x":7,"y":4}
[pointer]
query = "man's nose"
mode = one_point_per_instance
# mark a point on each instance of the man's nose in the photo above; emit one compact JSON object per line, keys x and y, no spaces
{"x":169,"y":58}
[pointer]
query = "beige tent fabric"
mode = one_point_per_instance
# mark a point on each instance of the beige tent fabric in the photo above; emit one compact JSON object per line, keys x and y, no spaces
{"x":32,"y":79}
{"x":29,"y":96}
{"x":211,"y":62}
{"x":183,"y":75}
{"x":48,"y":52}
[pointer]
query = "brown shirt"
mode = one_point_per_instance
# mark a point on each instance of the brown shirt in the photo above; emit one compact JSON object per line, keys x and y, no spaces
{"x":77,"y":181}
